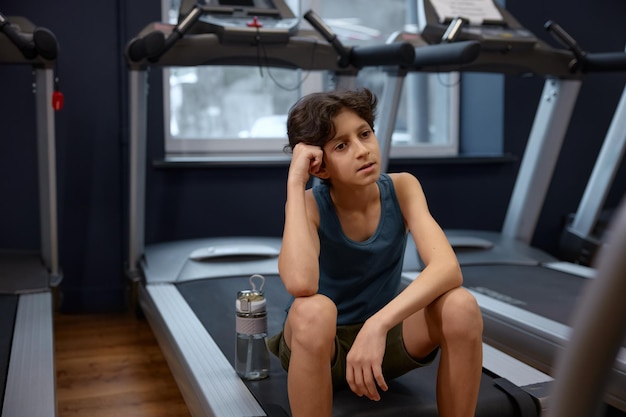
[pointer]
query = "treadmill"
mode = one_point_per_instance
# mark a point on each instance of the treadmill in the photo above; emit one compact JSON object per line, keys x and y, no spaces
{"x":187,"y":289}
{"x":599,"y":328}
{"x":506,"y":47}
{"x":528,"y":309}
{"x":526,"y":297}
{"x":27,"y":279}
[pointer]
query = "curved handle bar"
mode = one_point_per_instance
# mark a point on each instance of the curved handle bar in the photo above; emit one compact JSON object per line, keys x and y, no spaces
{"x":327,"y":33}
{"x":150,"y":46}
{"x":604,"y":62}
{"x":41,"y":42}
{"x":456,"y":53}
{"x":155,"y":44}
{"x":396,"y":54}
{"x":587,"y":62}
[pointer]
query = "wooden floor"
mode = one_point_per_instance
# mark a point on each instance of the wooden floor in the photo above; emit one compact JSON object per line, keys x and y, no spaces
{"x":111,"y":365}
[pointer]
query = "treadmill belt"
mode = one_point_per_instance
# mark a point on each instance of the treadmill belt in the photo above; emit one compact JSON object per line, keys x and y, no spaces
{"x":213,"y":302}
{"x":8,"y":310}
{"x":543,"y":291}
{"x":22,"y":271}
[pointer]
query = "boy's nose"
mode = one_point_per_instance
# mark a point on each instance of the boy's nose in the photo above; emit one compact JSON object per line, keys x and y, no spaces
{"x":360,"y":148}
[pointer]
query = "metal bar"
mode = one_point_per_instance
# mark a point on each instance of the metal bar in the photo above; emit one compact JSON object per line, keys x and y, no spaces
{"x":603,"y":173}
{"x":540,"y":157}
{"x":138,"y":96}
{"x":388,"y":114}
{"x":44,"y":86}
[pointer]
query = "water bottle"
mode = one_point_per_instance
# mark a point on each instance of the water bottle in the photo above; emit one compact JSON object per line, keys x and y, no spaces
{"x":252,"y":360}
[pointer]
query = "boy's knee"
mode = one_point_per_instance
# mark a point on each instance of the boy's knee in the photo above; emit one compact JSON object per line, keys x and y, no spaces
{"x":311,"y":312}
{"x":461,"y":315}
{"x":313,"y":319}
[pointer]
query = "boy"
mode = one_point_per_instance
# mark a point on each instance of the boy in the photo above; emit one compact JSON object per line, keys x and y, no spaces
{"x":341,"y":260}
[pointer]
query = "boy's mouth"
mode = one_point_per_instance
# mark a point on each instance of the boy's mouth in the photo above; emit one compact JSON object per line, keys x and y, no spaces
{"x":365,"y":166}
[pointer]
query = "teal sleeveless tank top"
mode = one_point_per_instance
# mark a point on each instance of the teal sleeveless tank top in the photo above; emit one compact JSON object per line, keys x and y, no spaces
{"x":361,"y":277}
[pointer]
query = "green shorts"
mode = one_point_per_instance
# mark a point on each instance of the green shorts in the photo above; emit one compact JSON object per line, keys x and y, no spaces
{"x":396,"y":361}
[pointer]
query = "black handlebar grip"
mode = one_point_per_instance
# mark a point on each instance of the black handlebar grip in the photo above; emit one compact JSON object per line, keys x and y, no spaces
{"x":587,"y":62}
{"x":604,"y":62}
{"x":327,"y":33}
{"x":46,"y":43}
{"x":146,"y":47}
{"x":155,"y":43}
{"x":569,"y":42}
{"x":456,"y":53}
{"x":396,"y":54}
{"x":41,"y":42}
{"x":22,"y":41}
{"x":563,"y":37}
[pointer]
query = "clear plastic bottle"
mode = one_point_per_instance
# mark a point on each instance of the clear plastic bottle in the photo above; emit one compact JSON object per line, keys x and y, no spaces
{"x":251,"y":355}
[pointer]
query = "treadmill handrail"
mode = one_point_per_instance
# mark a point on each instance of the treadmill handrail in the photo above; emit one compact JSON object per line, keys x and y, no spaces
{"x":604,"y":62}
{"x":36,"y":46}
{"x":455,"y":53}
{"x":327,"y":33}
{"x":153,"y":45}
{"x":303,"y":52}
{"x":400,"y":53}
{"x":584,"y":61}
{"x":396,"y":54}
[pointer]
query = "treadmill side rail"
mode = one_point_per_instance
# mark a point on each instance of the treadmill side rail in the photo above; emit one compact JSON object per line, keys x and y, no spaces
{"x":207,"y":379}
{"x":30,"y":388}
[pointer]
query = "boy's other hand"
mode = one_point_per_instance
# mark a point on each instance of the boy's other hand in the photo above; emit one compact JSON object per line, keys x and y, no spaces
{"x":364,"y":363}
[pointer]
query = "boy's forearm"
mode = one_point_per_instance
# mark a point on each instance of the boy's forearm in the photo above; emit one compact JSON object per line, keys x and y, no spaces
{"x":419,"y":294}
{"x":298,"y":261}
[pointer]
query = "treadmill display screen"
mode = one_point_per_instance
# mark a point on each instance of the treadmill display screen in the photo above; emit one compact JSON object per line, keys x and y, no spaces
{"x":243,"y":21}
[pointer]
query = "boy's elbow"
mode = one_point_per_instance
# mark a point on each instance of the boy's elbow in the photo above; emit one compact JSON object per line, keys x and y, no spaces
{"x":300,"y":288}
{"x":457,"y":275}
{"x":299,"y":281}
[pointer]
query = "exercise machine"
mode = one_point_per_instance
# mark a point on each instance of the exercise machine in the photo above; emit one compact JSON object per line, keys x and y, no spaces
{"x":526,"y":297}
{"x":27,"y":278}
{"x":187,"y":289}
{"x":598,"y":331}
{"x":506,"y":47}
{"x":528,"y":309}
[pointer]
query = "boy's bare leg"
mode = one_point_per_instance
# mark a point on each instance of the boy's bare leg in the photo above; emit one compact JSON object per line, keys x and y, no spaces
{"x":310,"y":334}
{"x":454,"y":322}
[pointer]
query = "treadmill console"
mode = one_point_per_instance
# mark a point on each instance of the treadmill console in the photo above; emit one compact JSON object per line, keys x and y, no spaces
{"x":487,"y":22}
{"x":246,"y":21}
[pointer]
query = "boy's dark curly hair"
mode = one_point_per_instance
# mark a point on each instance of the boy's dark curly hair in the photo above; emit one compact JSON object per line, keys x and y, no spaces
{"x":310,"y":120}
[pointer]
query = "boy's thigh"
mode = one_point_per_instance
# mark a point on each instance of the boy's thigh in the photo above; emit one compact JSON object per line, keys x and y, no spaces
{"x":396,"y":361}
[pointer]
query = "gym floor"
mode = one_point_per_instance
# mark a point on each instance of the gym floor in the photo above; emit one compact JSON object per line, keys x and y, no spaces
{"x":112,"y":365}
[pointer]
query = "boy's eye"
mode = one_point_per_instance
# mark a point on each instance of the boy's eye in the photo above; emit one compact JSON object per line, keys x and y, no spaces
{"x":340,"y":146}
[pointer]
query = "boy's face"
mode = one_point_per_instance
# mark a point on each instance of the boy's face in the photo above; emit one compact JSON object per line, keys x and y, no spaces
{"x":353,"y":155}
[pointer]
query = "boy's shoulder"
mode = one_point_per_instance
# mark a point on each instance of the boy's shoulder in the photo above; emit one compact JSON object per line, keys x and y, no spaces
{"x":402,"y":177}
{"x":405,"y":184}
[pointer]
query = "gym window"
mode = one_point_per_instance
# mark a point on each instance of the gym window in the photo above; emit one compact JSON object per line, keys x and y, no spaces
{"x":239,"y":113}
